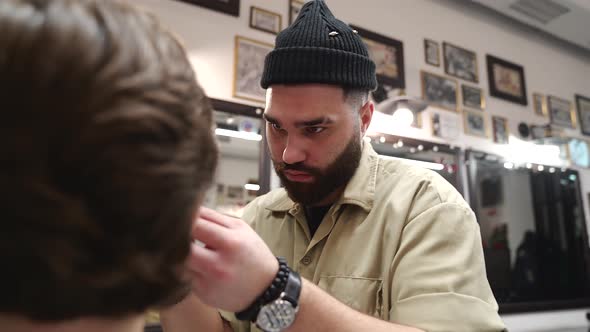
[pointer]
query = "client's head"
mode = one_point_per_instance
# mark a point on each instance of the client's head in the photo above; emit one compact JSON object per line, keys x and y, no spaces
{"x":106,"y":149}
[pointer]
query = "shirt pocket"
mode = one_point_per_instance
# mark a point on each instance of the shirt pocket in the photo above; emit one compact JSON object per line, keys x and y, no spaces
{"x":362,"y":294}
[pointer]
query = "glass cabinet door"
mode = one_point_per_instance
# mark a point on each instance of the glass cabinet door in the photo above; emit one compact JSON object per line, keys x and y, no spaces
{"x":238,"y":132}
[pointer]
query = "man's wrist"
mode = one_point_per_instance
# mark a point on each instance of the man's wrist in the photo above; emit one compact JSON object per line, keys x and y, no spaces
{"x":271,"y":293}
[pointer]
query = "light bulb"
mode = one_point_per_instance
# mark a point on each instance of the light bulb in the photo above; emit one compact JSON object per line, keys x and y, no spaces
{"x":403,"y":117}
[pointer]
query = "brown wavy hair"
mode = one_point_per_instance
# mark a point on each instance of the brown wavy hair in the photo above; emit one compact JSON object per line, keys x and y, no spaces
{"x":106,"y":149}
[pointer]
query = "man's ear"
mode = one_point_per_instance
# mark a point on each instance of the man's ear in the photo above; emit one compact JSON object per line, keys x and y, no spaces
{"x":366,"y":114}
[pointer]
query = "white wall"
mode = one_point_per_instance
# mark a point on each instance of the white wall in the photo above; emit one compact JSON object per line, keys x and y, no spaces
{"x":549,"y":68}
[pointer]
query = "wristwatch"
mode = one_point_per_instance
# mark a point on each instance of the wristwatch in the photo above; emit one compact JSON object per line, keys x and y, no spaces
{"x":279,"y":314}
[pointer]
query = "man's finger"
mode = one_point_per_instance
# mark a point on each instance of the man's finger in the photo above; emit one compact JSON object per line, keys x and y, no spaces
{"x":216,"y":217}
{"x":209,"y":233}
{"x":200,"y":259}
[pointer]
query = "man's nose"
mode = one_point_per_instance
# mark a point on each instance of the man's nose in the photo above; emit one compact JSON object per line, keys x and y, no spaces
{"x":293,"y":152}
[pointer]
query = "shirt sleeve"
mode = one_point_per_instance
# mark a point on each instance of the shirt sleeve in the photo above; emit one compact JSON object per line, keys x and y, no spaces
{"x":439,"y":278}
{"x":236,"y":325}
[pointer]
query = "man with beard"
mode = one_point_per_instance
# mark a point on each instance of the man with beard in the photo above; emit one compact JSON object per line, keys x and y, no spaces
{"x":369,"y":244}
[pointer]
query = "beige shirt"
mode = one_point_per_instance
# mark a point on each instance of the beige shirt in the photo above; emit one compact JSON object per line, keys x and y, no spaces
{"x":401,"y":244}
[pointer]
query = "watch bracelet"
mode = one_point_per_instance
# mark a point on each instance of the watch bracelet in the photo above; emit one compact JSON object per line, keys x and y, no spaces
{"x":272,"y":292}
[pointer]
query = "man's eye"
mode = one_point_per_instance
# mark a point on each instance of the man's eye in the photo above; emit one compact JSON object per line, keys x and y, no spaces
{"x":314,"y":130}
{"x":275,"y":126}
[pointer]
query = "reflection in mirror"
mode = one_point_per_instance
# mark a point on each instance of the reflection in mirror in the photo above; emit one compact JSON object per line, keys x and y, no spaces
{"x":533,"y":231}
{"x":440,"y":158}
{"x":236,"y":182}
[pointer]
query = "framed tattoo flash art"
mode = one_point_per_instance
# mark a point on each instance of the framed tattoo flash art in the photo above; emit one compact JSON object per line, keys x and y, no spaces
{"x":474,"y":123}
{"x":446,"y":125}
{"x":431,"y":52}
{"x":249,"y":57}
{"x":506,"y":80}
{"x":472,"y":97}
{"x":388,"y":55}
{"x":540,"y":104}
{"x":264,"y":20}
{"x":500,"y":129}
{"x":561,"y":112}
{"x":439,"y":91}
{"x":583,"y":107}
{"x":230,"y":7}
{"x":460,"y":62}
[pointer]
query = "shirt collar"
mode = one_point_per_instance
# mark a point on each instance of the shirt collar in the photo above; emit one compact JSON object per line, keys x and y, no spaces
{"x":360,"y":190}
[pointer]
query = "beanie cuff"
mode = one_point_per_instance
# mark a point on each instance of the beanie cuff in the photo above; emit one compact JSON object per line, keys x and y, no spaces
{"x":300,"y":65}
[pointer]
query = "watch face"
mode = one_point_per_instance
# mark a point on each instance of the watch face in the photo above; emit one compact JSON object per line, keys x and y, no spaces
{"x":276,"y":316}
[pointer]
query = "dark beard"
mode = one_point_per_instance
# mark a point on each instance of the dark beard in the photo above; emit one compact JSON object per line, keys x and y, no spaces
{"x":336,"y":175}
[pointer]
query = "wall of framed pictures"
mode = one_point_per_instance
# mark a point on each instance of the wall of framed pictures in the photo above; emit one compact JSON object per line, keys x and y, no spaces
{"x":500,"y":75}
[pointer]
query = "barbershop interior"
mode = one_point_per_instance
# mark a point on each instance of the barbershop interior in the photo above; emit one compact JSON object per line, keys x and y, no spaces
{"x":493,"y":95}
{"x":489,"y":96}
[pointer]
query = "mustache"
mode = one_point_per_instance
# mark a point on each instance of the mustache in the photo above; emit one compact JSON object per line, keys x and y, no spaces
{"x":300,"y":167}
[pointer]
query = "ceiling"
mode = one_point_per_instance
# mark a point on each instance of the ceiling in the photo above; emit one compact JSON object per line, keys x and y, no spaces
{"x":568,"y":20}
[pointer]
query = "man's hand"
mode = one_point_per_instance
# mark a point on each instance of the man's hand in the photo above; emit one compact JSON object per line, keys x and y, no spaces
{"x":234,"y":267}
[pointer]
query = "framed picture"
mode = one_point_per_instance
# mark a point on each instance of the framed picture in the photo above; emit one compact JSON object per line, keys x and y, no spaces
{"x":500,"y":129}
{"x":431,"y":52}
{"x":264,"y":20}
{"x":540,"y":104}
{"x":506,"y":80}
{"x":446,"y":125}
{"x":460,"y":62}
{"x":439,"y":91}
{"x":249,"y":57}
{"x":388,"y":55}
{"x":474,"y":123}
{"x":473,"y":97}
{"x":583,"y":107}
{"x":294,"y":9}
{"x":561,"y":112}
{"x":578,"y":152}
{"x":230,"y":7}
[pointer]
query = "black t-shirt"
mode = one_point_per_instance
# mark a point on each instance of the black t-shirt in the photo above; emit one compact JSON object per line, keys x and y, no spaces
{"x":315,"y":215}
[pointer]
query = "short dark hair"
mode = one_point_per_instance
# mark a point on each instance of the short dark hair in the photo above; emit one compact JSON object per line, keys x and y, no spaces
{"x":355,"y":97}
{"x":106,"y":149}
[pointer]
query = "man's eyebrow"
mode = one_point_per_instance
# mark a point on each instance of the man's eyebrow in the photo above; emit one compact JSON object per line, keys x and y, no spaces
{"x":270,"y":118}
{"x":308,"y":123}
{"x":314,"y":122}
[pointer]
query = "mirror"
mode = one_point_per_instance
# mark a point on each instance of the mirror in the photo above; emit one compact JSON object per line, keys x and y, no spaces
{"x":534,"y":233}
{"x":440,"y":158}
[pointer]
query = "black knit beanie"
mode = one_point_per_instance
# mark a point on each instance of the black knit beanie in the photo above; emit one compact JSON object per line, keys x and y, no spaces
{"x":319,"y":48}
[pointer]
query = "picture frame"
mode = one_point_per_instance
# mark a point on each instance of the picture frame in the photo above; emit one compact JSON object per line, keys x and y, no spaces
{"x":460,"y":62}
{"x":506,"y":80}
{"x":249,"y":57}
{"x":500,"y":129}
{"x":229,"y":7}
{"x":583,"y":108}
{"x":294,"y":9}
{"x":265,"y":20}
{"x":561,"y":112}
{"x":431,"y":52}
{"x":388,"y":55}
{"x":474,"y":123}
{"x":445,"y":125}
{"x":473,"y":97}
{"x":578,"y":152}
{"x":439,"y":90}
{"x":540,"y":104}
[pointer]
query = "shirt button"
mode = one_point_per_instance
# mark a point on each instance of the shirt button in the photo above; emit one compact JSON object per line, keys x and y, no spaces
{"x":306,"y":260}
